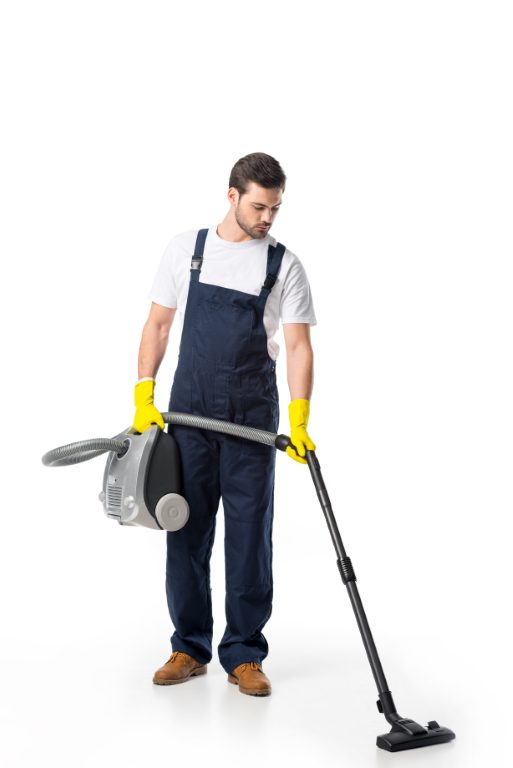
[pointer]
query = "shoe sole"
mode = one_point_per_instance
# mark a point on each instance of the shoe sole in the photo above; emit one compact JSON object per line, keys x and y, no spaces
{"x":248,"y":691}
{"x":194,"y":673}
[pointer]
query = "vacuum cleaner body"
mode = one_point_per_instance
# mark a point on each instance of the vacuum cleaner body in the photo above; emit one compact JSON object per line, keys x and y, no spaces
{"x":142,"y":486}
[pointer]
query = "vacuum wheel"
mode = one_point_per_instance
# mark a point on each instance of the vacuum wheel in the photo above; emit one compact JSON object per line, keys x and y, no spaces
{"x":172,"y":512}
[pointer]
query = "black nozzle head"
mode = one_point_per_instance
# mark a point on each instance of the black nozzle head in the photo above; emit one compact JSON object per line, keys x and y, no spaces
{"x":397,"y":740}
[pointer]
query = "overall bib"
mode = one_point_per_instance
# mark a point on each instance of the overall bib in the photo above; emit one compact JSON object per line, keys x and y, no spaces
{"x":224,"y":371}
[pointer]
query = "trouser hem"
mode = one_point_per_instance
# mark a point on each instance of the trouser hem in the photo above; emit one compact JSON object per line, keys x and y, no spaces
{"x":191,"y":650}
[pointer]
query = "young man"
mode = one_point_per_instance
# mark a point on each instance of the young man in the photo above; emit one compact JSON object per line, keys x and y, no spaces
{"x":231,"y":285}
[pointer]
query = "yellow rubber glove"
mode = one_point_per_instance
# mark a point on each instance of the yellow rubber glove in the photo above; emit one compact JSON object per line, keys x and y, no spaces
{"x":146,"y":413}
{"x":299,"y":411}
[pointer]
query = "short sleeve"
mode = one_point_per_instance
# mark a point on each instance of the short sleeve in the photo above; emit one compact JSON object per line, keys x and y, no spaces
{"x":296,"y":304}
{"x":163,"y":290}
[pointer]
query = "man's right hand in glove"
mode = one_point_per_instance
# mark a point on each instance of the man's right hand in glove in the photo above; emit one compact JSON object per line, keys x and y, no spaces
{"x":146,"y":413}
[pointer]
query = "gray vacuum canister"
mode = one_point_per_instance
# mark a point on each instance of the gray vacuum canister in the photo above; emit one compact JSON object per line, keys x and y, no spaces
{"x":143,"y":486}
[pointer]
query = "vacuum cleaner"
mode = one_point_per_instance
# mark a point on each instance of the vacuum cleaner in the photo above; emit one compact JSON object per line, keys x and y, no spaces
{"x":142,"y":487}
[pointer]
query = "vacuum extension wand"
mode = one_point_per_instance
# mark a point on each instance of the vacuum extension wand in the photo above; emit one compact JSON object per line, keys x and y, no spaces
{"x":405,"y":733}
{"x":172,"y":513}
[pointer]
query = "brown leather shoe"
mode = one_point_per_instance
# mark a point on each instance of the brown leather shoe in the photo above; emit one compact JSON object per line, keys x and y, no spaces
{"x":179,"y":668}
{"x":251,"y":679}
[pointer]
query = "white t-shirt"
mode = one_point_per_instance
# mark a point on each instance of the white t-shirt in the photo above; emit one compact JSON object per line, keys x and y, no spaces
{"x":240,"y":266}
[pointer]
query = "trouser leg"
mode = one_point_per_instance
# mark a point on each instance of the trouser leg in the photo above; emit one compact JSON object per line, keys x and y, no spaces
{"x":247,"y":488}
{"x":189,"y":549}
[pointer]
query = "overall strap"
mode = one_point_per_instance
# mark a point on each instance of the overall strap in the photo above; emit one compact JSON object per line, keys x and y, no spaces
{"x":197,"y":259}
{"x":274,"y":257}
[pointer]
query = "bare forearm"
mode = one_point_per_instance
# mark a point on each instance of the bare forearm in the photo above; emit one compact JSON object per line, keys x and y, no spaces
{"x":300,"y":372}
{"x":152,"y":349}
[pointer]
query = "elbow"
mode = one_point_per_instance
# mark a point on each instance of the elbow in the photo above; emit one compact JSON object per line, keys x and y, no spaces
{"x":163,"y":332}
{"x":158,"y":331}
{"x":301,"y":349}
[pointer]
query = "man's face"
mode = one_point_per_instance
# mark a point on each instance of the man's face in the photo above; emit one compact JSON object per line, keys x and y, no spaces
{"x":256,"y":210}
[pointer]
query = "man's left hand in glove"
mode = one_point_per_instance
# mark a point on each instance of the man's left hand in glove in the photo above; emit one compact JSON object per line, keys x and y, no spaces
{"x":299,"y":411}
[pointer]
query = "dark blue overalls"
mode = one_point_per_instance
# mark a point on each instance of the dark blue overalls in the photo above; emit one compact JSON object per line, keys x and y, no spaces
{"x":224,"y":371}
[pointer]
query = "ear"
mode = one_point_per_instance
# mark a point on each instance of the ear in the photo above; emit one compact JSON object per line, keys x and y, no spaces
{"x":233,"y":196}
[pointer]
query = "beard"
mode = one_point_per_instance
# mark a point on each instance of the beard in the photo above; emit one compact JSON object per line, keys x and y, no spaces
{"x":253,"y":232}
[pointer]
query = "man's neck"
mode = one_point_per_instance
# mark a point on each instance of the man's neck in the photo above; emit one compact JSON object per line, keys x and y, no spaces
{"x":229,"y":230}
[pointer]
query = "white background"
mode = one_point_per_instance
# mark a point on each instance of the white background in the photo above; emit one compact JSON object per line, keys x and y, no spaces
{"x":393,"y":121}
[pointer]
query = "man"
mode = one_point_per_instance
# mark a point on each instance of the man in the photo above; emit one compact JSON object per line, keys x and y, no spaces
{"x":231,"y":284}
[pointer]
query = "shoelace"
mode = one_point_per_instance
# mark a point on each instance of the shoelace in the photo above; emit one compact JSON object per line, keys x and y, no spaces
{"x":175,"y":654}
{"x":251,"y":665}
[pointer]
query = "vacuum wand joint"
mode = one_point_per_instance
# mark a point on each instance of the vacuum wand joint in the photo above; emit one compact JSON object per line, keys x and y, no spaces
{"x":346,"y":570}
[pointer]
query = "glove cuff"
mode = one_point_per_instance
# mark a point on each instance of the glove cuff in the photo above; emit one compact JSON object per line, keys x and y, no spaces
{"x":299,"y":413}
{"x":143,"y":392}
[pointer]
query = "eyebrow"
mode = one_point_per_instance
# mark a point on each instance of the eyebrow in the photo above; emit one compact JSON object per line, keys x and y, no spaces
{"x":262,"y":205}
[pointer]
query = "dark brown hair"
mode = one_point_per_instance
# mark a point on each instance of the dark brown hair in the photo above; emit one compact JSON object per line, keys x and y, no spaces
{"x":260,"y":168}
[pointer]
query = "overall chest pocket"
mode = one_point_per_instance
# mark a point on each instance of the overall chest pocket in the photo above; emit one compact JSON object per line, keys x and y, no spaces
{"x":223,"y":331}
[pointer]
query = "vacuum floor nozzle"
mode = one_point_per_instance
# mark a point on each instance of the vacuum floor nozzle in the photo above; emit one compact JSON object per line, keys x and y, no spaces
{"x":417,"y":736}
